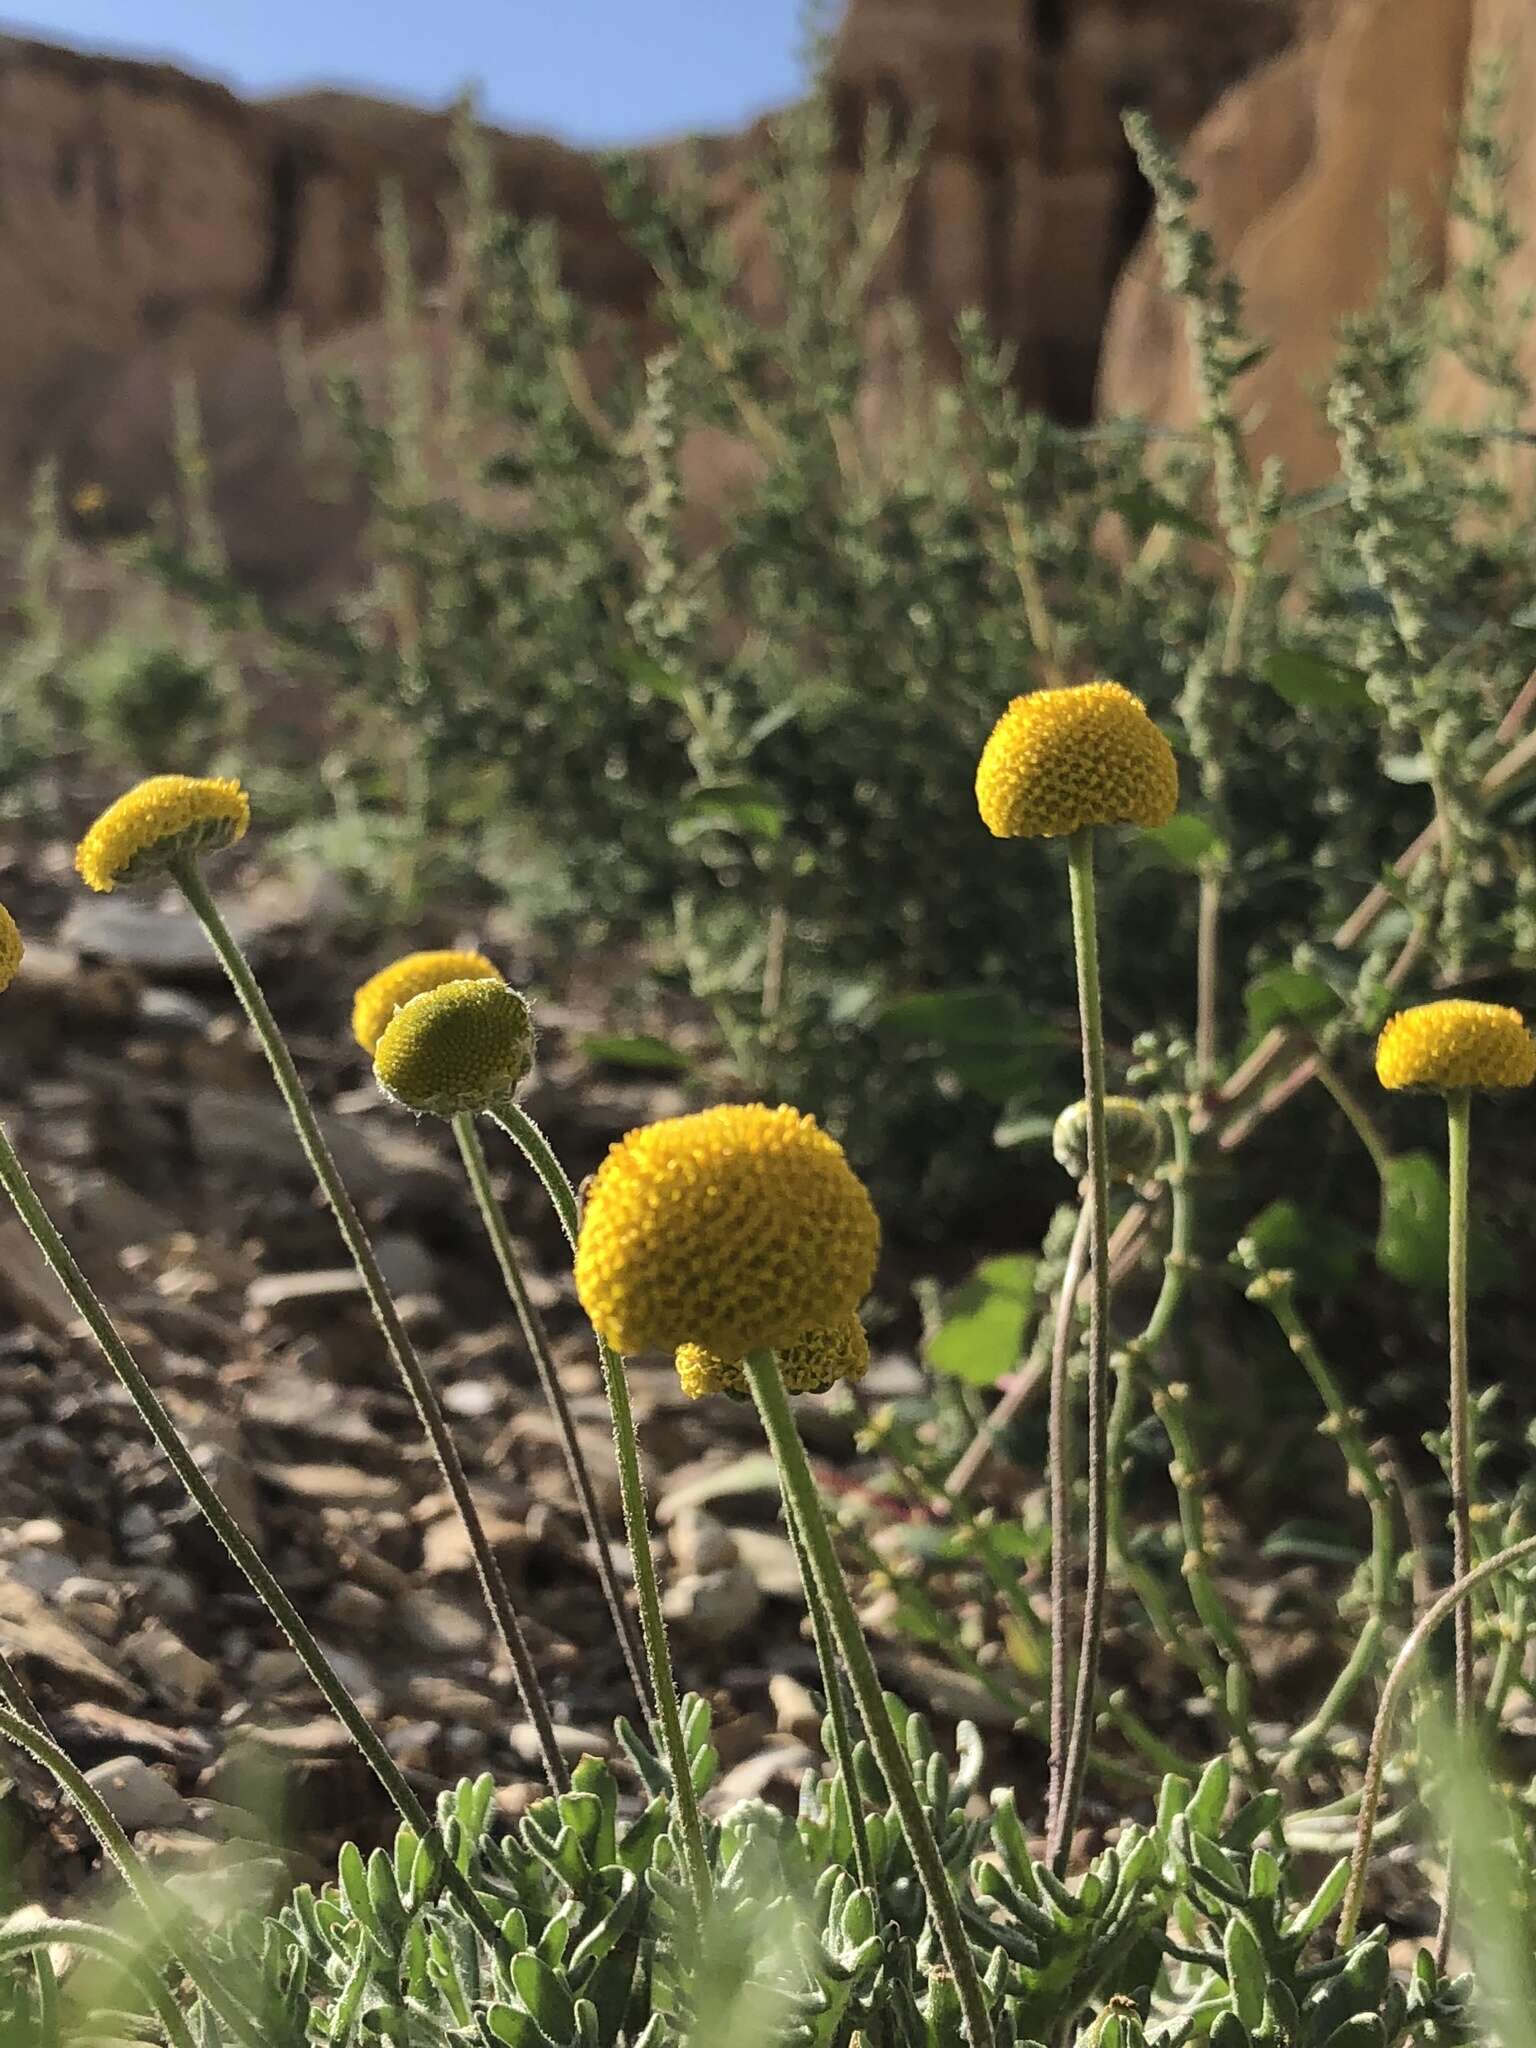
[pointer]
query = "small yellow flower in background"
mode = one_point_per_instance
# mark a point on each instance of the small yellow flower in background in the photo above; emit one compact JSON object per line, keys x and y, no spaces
{"x":814,"y":1362}
{"x":158,"y":822}
{"x":1058,"y":760}
{"x":465,"y":1045}
{"x":412,"y":975}
{"x":11,"y":948}
{"x":1133,"y":1139}
{"x":736,"y":1229}
{"x":1456,"y":1044}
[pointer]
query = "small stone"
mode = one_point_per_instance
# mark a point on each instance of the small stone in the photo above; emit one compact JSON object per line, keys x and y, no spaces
{"x":295,"y":1295}
{"x":408,"y":1267}
{"x":779,"y":1768}
{"x":795,"y":1710}
{"x":274,"y":1671}
{"x":338,"y":1486}
{"x":445,"y":1548}
{"x":434,"y":1696}
{"x":700,"y":1543}
{"x":174,"y":1673}
{"x":441,"y":1626}
{"x":771,"y":1560}
{"x":572,"y":1743}
{"x":137,"y":1796}
{"x":411,"y":1744}
{"x":357,"y":1609}
{"x":714,"y":1607}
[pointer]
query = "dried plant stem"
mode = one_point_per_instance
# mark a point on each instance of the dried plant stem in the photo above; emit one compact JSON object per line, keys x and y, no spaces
{"x":536,"y":1149}
{"x":1458,"y":1108}
{"x":1450,"y":1602}
{"x":242,"y":1551}
{"x":535,"y":1337}
{"x":407,"y":1362}
{"x":827,"y":1585}
{"x":1086,"y":951}
{"x":1059,"y":1461}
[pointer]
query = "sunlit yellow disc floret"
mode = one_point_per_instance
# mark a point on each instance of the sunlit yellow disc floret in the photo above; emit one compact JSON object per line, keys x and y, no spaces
{"x":412,"y":975}
{"x":10,"y":948}
{"x":1456,"y":1044}
{"x":1133,"y":1139}
{"x":1058,"y":760}
{"x":166,"y":819}
{"x":736,"y":1229}
{"x":815,"y":1361}
{"x":463,"y":1046}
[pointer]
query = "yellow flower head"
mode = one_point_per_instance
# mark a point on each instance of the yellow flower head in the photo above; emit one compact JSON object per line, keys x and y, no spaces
{"x":464,"y":1045}
{"x":160,"y":821}
{"x":385,"y":992}
{"x":1133,"y":1139}
{"x":814,"y":1362}
{"x":1452,"y":1045}
{"x":10,"y":948}
{"x":736,"y":1229}
{"x":1061,"y":759}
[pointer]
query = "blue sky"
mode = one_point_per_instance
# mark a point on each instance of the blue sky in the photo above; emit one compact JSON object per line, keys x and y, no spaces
{"x":588,"y":70}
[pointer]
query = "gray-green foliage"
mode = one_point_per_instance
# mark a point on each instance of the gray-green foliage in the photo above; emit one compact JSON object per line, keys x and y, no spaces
{"x":1188,"y":1928}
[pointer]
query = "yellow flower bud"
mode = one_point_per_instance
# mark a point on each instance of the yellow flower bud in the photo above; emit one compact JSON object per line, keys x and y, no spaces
{"x":735,"y":1229}
{"x":1133,"y":1139}
{"x":1452,"y":1045}
{"x":412,"y":975}
{"x":166,"y":819}
{"x":11,"y":948}
{"x":1058,"y":760}
{"x":462,"y":1046}
{"x":815,"y":1361}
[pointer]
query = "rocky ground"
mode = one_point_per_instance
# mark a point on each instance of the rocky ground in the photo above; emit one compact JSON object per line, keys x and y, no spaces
{"x":151,"y":1126}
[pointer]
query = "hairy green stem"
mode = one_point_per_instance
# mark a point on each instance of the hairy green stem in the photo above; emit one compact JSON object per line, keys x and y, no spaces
{"x":407,"y":1362}
{"x":1451,"y":1601}
{"x":1086,"y":950}
{"x":242,"y":1551}
{"x":38,"y":1937}
{"x":536,"y":1149}
{"x":833,"y":1688}
{"x":535,"y":1337}
{"x":24,"y":1733}
{"x":828,"y":1585}
{"x":1059,"y":1463}
{"x":1458,"y":1108}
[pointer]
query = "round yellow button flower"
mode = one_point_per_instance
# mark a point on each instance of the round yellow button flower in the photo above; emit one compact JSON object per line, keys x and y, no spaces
{"x":736,"y":1229}
{"x":1058,"y":760}
{"x":163,"y":820}
{"x":1133,"y":1139}
{"x":11,"y":948}
{"x":815,"y":1361}
{"x":1456,"y":1044}
{"x":462,"y":1046}
{"x":411,"y":975}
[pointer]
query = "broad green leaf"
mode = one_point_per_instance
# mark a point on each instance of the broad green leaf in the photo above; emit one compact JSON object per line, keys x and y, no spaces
{"x":640,"y":1049}
{"x":750,"y":808}
{"x":1314,"y":1542}
{"x":976,"y":1017}
{"x":1415,"y":1219}
{"x":1316,"y":1247}
{"x":1288,"y":995}
{"x":983,"y":1329}
{"x":1183,"y":842}
{"x":1311,"y":683}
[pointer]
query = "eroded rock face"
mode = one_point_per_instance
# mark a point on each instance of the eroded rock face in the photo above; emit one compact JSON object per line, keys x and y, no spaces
{"x":1296,"y":168}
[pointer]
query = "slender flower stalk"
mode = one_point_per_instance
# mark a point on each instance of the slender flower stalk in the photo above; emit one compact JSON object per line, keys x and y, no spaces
{"x":1450,"y":1602}
{"x":833,"y":1689}
{"x":401,"y":1349}
{"x":242,"y":1551}
{"x":1059,"y":1460}
{"x":827,"y":1586}
{"x":1086,"y":948}
{"x":536,"y":1338}
{"x":536,"y":1149}
{"x":25,"y":1732}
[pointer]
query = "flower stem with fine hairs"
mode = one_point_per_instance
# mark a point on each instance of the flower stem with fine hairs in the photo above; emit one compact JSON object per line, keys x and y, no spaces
{"x":537,"y":1340}
{"x":537,"y":1150}
{"x":1059,"y":1459}
{"x":827,"y":1585}
{"x":1458,"y":1108}
{"x":242,"y":1551}
{"x":1085,"y":943}
{"x":422,"y":1394}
